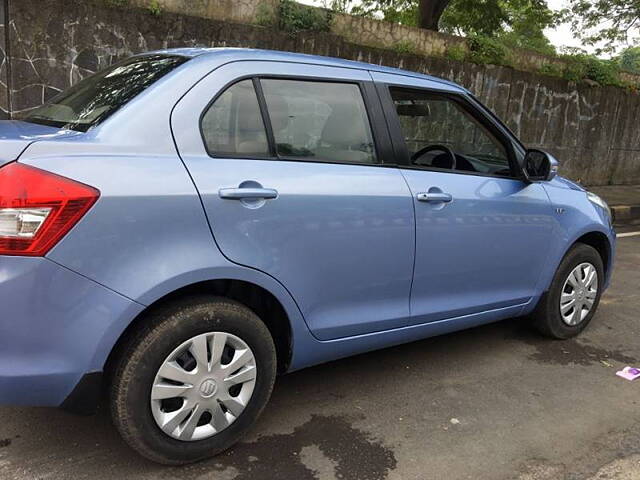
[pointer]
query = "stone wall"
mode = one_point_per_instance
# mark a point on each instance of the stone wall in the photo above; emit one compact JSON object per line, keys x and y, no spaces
{"x":359,"y":30}
{"x":238,"y":11}
{"x":4,"y":65}
{"x":54,"y":43}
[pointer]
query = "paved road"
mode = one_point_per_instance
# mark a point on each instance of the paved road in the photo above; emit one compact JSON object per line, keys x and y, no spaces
{"x":496,"y":402}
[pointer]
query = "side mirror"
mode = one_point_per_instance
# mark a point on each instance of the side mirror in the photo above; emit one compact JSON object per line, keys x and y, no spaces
{"x":539,"y":166}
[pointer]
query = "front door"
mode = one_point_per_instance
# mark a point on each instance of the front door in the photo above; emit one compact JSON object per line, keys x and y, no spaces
{"x":289,"y":168}
{"x":482,"y":234}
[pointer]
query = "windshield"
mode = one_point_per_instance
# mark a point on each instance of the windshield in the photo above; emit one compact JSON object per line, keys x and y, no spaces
{"x":96,"y":97}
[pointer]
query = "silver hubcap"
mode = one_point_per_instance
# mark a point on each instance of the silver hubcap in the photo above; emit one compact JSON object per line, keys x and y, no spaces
{"x":578,"y":294}
{"x":203,"y":386}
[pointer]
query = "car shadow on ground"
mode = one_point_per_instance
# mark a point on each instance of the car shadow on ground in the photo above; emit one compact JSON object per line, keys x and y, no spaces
{"x":312,"y":428}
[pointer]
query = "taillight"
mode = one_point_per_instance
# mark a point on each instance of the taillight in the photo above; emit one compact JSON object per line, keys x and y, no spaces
{"x":38,"y":208}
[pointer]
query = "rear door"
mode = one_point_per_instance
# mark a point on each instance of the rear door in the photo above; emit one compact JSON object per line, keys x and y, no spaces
{"x":289,"y":161}
{"x":482,"y":233}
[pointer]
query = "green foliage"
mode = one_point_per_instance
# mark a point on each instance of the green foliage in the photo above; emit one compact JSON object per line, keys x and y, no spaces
{"x":537,"y":43}
{"x":404,"y":12}
{"x":154,"y":8}
{"x":516,"y":23}
{"x":552,"y":70}
{"x":605,"y":72}
{"x":526,"y":22}
{"x":603,"y":21}
{"x":483,"y":49}
{"x":405,"y":47}
{"x":524,"y":18}
{"x":407,"y":16}
{"x":629,"y":59}
{"x":467,"y":17}
{"x":580,"y":66}
{"x":456,"y":52}
{"x":295,"y":17}
{"x":342,"y":6}
{"x":266,"y":15}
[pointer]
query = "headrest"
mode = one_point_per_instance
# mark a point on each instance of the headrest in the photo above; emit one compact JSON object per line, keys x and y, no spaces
{"x":249,"y":118}
{"x":344,"y":126}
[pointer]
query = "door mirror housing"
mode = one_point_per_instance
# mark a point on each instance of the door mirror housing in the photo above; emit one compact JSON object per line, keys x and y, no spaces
{"x":539,"y":166}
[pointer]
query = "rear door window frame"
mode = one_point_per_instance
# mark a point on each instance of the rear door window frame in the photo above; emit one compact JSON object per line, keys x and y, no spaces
{"x":376,"y":120}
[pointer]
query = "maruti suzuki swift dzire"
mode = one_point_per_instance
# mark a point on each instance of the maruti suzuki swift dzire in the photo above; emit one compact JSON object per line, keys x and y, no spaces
{"x":181,"y":227}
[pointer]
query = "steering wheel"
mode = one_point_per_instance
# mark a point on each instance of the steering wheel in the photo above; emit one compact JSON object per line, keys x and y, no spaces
{"x":430,"y":148}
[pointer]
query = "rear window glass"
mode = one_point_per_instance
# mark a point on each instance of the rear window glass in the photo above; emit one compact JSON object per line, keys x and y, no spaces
{"x":93,"y":99}
{"x":319,"y":120}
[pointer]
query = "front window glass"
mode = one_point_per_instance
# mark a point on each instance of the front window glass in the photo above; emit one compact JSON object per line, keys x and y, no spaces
{"x":440,"y":133}
{"x":96,"y":97}
{"x":319,"y":120}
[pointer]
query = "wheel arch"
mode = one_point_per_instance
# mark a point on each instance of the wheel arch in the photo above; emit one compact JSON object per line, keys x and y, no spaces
{"x":592,"y":237}
{"x":260,"y":300}
{"x":600,"y":242}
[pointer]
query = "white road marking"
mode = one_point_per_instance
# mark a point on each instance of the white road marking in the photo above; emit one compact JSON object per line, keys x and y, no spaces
{"x":628,"y":234}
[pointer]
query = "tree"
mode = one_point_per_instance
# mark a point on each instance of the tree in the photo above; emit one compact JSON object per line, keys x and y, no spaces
{"x":525,"y":25}
{"x":467,"y":17}
{"x":608,"y":22}
{"x":429,"y":13}
{"x":421,"y":13}
{"x":518,"y":23}
{"x":629,"y":59}
{"x":397,"y":11}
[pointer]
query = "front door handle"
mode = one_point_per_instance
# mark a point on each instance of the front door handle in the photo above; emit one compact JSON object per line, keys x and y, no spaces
{"x":434,"y":197}
{"x":247,"y":193}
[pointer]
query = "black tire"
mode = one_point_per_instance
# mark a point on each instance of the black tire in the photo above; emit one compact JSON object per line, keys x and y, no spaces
{"x":547,"y":317}
{"x":165,"y":329}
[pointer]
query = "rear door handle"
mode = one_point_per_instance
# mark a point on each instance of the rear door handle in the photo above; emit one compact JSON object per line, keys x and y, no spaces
{"x":247,"y":193}
{"x":434,"y":197}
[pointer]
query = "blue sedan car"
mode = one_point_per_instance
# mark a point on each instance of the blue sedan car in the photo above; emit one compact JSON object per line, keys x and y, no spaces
{"x":179,"y":228}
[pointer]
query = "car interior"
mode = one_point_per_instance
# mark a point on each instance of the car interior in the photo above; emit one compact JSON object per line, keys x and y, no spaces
{"x":440,"y":133}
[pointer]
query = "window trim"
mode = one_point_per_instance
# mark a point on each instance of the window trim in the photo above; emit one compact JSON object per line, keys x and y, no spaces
{"x":266,"y":120}
{"x":400,"y":146}
{"x":373,"y":110}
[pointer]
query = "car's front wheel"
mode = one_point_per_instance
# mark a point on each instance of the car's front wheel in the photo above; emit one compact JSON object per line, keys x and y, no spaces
{"x":572,"y":299}
{"x":193,"y":380}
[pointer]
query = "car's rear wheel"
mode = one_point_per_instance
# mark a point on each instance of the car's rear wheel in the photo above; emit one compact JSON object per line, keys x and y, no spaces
{"x":573,"y":297}
{"x":193,"y":380}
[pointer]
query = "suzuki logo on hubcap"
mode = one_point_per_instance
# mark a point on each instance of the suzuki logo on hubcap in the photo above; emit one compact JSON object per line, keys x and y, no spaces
{"x":208,"y":388}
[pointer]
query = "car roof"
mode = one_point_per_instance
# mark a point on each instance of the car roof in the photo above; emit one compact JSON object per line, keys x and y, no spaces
{"x":230,"y":54}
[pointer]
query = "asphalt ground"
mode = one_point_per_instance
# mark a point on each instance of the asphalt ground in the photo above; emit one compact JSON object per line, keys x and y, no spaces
{"x":494,"y":402}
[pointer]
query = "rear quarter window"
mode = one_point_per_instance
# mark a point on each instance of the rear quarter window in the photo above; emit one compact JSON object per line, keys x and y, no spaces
{"x":233,"y":126}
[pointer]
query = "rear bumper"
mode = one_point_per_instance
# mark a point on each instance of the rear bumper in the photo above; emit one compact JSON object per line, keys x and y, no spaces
{"x":55,"y":326}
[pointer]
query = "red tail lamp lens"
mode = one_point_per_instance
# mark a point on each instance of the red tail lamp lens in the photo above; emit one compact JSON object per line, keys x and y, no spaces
{"x":38,"y":208}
